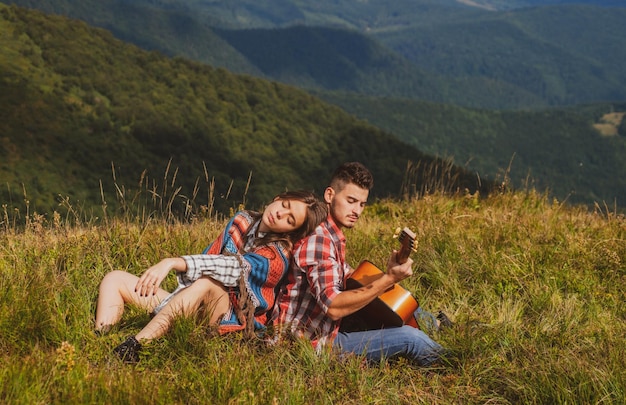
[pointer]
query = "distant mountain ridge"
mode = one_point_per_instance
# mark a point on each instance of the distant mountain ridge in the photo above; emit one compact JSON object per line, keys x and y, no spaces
{"x":514,"y":4}
{"x":335,"y":59}
{"x":441,"y":51}
{"x":564,"y":55}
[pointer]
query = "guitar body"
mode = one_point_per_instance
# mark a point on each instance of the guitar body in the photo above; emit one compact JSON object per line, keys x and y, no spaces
{"x":394,"y":307}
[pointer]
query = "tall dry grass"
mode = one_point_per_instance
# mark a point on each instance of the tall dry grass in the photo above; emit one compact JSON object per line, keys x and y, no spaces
{"x":535,"y":289}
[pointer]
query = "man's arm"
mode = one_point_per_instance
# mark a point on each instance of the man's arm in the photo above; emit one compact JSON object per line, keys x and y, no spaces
{"x":349,"y":301}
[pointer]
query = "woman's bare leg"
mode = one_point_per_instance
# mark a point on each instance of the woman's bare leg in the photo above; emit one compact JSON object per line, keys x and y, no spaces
{"x":116,"y":289}
{"x":203,"y":291}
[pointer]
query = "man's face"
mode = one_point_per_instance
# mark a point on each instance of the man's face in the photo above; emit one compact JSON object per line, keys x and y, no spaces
{"x":346,"y":205}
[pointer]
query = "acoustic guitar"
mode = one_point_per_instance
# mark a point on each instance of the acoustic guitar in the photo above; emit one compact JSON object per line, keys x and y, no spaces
{"x":394,"y":307}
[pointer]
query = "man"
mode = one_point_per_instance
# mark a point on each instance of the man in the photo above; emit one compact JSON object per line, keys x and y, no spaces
{"x":314,"y":300}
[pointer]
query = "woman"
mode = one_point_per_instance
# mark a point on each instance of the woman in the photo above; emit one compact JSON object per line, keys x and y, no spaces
{"x":254,"y":247}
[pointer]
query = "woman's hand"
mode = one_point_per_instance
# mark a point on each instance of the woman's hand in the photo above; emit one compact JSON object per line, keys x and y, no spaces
{"x":152,"y":278}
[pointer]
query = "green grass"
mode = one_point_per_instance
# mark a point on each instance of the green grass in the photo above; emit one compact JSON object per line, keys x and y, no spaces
{"x":535,"y":289}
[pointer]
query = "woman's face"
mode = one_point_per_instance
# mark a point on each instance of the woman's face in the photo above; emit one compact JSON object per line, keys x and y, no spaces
{"x":283,"y":216}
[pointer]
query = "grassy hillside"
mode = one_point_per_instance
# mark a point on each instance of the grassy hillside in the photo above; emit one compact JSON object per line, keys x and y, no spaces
{"x":78,"y":107}
{"x":565,"y":151}
{"x":535,"y":290}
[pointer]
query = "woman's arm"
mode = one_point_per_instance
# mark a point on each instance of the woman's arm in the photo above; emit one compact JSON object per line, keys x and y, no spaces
{"x":223,"y":268}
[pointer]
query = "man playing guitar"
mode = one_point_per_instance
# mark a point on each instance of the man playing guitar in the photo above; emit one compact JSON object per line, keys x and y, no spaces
{"x":315,"y":298}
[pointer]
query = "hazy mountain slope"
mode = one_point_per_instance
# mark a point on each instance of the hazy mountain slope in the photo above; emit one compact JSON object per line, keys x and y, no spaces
{"x":331,"y":59}
{"x":340,"y":13}
{"x":339,"y":59}
{"x":445,"y":51}
{"x":558,"y":149}
{"x":173,"y":31}
{"x":307,"y":57}
{"x":566,"y":55}
{"x":75,"y":101}
{"x":513,"y":4}
{"x":559,"y":55}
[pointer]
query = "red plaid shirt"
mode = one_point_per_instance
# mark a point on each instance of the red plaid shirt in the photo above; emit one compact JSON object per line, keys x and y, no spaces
{"x":317,"y":275}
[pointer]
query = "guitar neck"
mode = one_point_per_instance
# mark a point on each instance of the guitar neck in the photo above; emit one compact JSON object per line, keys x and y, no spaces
{"x":402,"y":257}
{"x":406,"y":238}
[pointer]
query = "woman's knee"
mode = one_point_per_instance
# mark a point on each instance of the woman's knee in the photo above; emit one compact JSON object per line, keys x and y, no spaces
{"x":207,"y":286}
{"x":115,"y":278}
{"x":204,"y":290}
{"x":121,"y":283}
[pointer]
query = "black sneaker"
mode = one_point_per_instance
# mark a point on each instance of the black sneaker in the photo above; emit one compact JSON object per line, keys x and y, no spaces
{"x":444,"y":321}
{"x":129,"y":350}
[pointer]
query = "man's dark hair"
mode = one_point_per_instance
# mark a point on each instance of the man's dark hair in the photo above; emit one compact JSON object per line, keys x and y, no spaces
{"x":352,"y":172}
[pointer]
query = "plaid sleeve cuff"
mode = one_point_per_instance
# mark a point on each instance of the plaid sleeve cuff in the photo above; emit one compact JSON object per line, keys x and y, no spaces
{"x":225,"y":269}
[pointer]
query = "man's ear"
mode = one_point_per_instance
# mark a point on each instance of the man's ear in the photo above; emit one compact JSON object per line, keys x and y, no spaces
{"x":329,"y":194}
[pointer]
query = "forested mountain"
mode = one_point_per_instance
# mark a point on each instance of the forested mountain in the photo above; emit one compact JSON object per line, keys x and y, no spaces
{"x":189,"y":29}
{"x":470,"y":56}
{"x":172,"y":31}
{"x":74,"y":101}
{"x":441,"y":51}
{"x":564,"y":55}
{"x":333,"y":59}
{"x":536,"y":52}
{"x":578,"y":153}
